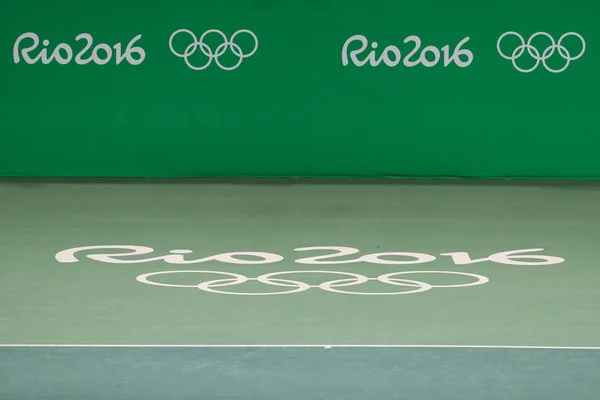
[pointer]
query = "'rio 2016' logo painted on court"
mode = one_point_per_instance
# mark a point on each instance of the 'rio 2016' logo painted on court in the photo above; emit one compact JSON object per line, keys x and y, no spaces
{"x":512,"y":257}
{"x":542,"y":57}
{"x":199,"y":44}
{"x":282,"y":280}
{"x":391,"y":55}
{"x":101,"y":54}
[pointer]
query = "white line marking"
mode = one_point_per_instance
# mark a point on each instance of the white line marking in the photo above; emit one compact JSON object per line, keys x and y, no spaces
{"x":300,"y":346}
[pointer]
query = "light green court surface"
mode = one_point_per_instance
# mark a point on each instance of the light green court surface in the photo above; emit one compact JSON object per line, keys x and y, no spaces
{"x":469,"y":238}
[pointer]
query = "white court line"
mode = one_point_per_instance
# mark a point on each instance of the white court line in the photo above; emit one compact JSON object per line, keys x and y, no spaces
{"x":301,"y":346}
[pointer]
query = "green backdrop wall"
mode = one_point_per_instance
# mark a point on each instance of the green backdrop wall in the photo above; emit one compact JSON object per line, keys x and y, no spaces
{"x":306,"y":88}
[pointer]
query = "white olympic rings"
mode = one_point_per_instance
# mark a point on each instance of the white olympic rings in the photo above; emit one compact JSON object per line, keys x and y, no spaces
{"x":207,"y":51}
{"x":545,"y":55}
{"x":294,"y":286}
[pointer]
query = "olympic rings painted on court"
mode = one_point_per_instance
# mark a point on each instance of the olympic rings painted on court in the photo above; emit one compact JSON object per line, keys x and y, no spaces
{"x":295,"y":286}
{"x":218,"y":52}
{"x":535,"y":53}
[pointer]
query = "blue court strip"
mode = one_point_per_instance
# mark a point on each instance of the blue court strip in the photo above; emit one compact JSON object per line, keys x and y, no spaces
{"x":69,"y":373}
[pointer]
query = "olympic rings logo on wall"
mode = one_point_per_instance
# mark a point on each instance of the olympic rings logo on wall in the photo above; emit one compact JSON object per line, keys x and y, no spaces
{"x":213,"y":55}
{"x":544,"y":55}
{"x":284,"y":284}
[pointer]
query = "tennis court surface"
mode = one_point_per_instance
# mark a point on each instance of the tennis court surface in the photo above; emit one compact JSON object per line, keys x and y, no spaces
{"x":203,"y":289}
